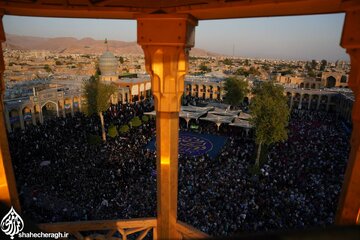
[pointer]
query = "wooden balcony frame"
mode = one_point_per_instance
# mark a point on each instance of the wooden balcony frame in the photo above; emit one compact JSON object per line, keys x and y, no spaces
{"x":349,"y":206}
{"x":124,"y":227}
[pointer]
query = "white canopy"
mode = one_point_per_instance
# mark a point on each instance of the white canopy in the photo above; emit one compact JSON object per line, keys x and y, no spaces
{"x":244,"y":116}
{"x":196,"y":109}
{"x":153,"y":113}
{"x":190,"y":112}
{"x":218,"y":118}
{"x":241,"y":123}
{"x":191,"y":115}
{"x":225,"y":112}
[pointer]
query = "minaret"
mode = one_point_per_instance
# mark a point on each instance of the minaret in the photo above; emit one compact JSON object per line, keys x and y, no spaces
{"x":107,"y":46}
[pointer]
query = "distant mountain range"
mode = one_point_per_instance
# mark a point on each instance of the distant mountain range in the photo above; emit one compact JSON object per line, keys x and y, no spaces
{"x":82,"y":46}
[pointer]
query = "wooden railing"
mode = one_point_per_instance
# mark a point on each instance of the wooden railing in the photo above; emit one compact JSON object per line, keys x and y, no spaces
{"x":118,"y":229}
{"x":104,"y":229}
{"x":188,"y":232}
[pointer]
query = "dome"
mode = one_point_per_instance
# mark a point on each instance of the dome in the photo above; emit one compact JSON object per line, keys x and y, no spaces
{"x":108,"y":64}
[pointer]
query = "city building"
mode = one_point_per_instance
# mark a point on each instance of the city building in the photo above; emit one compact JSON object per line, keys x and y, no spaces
{"x":131,"y":87}
{"x":40,"y":100}
{"x":32,"y":102}
{"x":204,"y":87}
{"x":326,"y":80}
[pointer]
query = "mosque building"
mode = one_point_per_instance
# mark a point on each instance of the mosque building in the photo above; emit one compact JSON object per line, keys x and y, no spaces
{"x":131,"y":87}
{"x":34,"y":101}
{"x":108,"y":65}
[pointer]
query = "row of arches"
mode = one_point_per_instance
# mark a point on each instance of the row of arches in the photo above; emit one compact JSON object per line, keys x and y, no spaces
{"x":345,"y":109}
{"x":134,"y":93}
{"x":37,"y":114}
{"x":331,"y":82}
{"x":323,"y":102}
{"x":204,"y":91}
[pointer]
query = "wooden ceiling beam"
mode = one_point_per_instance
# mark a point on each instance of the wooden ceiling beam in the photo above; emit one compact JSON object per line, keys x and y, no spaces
{"x":74,"y":12}
{"x":261,"y":8}
{"x":200,"y":9}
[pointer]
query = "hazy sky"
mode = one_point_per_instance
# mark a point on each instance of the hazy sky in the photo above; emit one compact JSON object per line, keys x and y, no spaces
{"x":300,"y":37}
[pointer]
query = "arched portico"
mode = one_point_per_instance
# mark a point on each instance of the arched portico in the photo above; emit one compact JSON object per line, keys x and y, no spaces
{"x":314,"y":102}
{"x":188,"y":90}
{"x":68,"y":106}
{"x":48,"y":110}
{"x":27,"y":115}
{"x":296,"y":101}
{"x":323,"y":102}
{"x":218,"y":92}
{"x":211,"y":92}
{"x":77,"y":103}
{"x":203,"y":90}
{"x":330,"y":82}
{"x":14,"y":119}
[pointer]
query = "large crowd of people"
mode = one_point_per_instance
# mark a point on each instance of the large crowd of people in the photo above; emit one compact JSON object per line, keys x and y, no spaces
{"x":298,"y":186}
{"x":62,"y":177}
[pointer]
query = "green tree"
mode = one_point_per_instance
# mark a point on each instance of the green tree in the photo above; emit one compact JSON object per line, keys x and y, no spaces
{"x":57,"y":62}
{"x":124,"y":129}
{"x":247,"y":62}
{"x":311,"y":73}
{"x":135,"y":122}
{"x":145,"y":118}
{"x":227,"y":61}
{"x":270,"y":115}
{"x":287,"y":72}
{"x":204,"y":68}
{"x":236,"y":89}
{"x":112,"y":131}
{"x":323,"y":65}
{"x":308,"y":66}
{"x":266,"y":67}
{"x":246,"y":73}
{"x":47,"y":68}
{"x":97,"y":96}
{"x":314,"y":64}
{"x":241,"y":71}
{"x":121,"y":60}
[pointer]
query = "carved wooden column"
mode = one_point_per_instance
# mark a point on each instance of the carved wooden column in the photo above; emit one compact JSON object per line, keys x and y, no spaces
{"x":8,"y":192}
{"x":165,"y":39}
{"x":349,"y":205}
